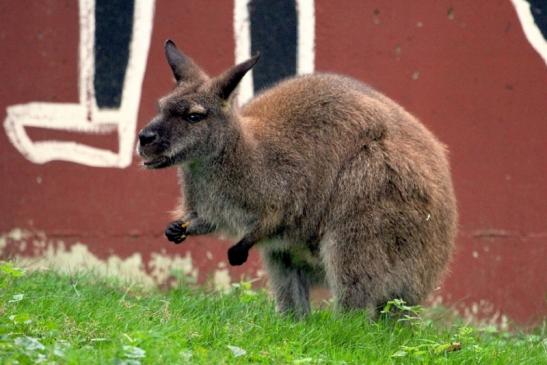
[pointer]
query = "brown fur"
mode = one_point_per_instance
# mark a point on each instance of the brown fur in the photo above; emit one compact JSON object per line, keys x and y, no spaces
{"x":332,"y":180}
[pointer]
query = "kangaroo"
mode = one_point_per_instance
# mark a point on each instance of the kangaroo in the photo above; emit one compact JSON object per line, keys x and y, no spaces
{"x":334,"y":183}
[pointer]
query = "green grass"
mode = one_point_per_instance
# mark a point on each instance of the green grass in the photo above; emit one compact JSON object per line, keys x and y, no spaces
{"x":82,"y":319}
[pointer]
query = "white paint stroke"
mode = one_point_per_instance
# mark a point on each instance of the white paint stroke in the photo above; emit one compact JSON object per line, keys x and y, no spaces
{"x":85,"y":117}
{"x":531,"y":30}
{"x":242,"y":37}
{"x":306,"y":36}
{"x":305,"y":42}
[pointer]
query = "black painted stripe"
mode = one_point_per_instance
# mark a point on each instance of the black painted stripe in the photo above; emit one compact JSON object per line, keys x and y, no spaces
{"x":274,"y":27}
{"x":539,"y":12}
{"x":113,"y":28}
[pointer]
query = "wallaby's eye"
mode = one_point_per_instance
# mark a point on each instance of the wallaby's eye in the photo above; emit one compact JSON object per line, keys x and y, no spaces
{"x":195,"y":117}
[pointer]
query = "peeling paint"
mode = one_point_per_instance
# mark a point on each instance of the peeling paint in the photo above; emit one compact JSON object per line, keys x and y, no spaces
{"x":481,"y":313}
{"x":52,"y":253}
{"x":78,"y":258}
{"x":260,"y":274}
{"x":222,"y":280}
{"x":376,"y":16}
{"x":492,"y":233}
{"x":3,"y":244}
{"x":450,"y":13}
{"x":17,"y":234}
{"x":162,"y":266}
{"x":435,"y":300}
{"x":397,"y":51}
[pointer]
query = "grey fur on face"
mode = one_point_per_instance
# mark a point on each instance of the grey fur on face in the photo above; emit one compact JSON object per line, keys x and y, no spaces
{"x":334,"y":182}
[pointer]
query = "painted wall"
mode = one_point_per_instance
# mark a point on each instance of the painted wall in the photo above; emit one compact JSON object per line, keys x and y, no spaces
{"x":80,"y":78}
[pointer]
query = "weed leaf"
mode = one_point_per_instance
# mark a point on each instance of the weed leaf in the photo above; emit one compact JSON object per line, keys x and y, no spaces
{"x":237,"y":351}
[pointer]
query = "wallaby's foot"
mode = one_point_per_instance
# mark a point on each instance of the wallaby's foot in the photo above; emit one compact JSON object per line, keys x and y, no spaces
{"x":176,"y":231}
{"x":238,"y":254}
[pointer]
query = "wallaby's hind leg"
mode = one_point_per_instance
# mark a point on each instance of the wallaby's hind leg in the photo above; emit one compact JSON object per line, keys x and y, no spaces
{"x":355,"y":273}
{"x":290,"y":284}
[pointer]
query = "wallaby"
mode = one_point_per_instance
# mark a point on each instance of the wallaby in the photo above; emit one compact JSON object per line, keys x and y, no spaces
{"x":334,"y":182}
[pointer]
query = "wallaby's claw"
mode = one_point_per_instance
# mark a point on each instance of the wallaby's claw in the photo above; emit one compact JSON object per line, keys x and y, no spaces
{"x":176,"y":231}
{"x":238,"y":254}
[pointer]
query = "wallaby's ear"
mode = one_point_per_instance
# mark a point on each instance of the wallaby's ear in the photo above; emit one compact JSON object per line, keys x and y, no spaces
{"x":229,"y":79}
{"x":183,"y":67}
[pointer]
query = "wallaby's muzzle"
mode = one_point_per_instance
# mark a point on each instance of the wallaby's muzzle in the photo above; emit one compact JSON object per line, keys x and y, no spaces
{"x":152,"y":149}
{"x":147,"y":137}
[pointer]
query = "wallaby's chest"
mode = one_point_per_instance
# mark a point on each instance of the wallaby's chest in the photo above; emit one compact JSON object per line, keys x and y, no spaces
{"x":216,"y":203}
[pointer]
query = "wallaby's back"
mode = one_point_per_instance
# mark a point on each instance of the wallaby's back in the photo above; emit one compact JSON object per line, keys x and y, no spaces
{"x":358,"y":172}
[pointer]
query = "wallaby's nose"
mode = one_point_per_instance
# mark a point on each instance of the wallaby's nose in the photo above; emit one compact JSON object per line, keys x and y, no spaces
{"x":147,"y":137}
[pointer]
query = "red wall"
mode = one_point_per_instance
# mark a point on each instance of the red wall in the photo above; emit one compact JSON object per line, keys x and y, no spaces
{"x":464,"y":68}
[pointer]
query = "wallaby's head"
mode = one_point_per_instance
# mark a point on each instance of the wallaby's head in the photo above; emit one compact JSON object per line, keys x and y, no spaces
{"x":195,"y":118}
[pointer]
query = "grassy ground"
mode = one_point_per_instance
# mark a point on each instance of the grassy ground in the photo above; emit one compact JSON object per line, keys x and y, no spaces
{"x":81,"y":319}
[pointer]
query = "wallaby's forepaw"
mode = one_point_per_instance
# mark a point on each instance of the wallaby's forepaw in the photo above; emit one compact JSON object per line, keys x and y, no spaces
{"x":238,"y":254}
{"x":176,"y":231}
